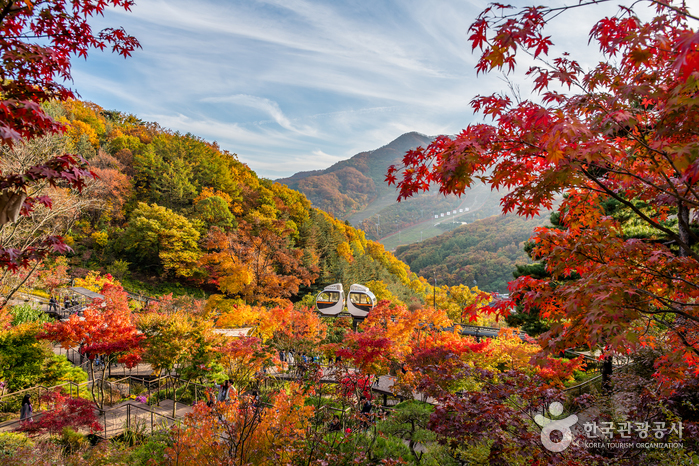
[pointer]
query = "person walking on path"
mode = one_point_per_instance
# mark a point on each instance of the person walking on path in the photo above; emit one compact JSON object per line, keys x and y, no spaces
{"x":223,"y":390}
{"x":607,"y":370}
{"x":366,"y":411}
{"x":25,"y":414}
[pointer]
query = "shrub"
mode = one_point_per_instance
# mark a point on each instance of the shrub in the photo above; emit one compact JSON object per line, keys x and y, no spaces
{"x":151,"y":452}
{"x":63,"y":411}
{"x":10,"y":442}
{"x":24,"y":313}
{"x":71,"y":441}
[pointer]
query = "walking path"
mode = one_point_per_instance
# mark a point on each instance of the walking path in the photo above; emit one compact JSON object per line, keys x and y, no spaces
{"x":130,"y":414}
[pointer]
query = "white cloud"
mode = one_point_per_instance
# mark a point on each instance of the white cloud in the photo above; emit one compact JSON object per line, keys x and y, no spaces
{"x":298,"y":84}
{"x":267,"y":106}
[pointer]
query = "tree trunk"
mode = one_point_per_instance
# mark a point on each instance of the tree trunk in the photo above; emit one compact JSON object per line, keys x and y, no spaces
{"x":683,"y":226}
{"x":102,"y":384}
{"x":174,"y":397}
{"x":92,"y":385}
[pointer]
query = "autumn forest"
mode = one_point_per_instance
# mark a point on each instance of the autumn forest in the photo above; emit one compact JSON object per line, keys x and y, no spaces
{"x":163,"y":304}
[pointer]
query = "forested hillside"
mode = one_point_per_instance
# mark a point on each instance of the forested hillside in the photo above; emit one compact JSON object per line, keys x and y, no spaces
{"x":355,"y":190}
{"x":484,"y":252}
{"x":173,"y":211}
{"x":349,"y":186}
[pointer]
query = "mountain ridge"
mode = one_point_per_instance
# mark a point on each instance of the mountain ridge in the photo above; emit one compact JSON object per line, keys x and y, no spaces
{"x":355,"y":190}
{"x":349,"y":186}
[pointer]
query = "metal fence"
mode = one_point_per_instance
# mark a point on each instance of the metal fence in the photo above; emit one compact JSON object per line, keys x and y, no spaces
{"x":118,"y":390}
{"x":592,"y":383}
{"x":133,"y":417}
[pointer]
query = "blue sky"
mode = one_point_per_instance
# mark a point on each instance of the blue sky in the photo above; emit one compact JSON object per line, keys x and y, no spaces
{"x":294,"y":85}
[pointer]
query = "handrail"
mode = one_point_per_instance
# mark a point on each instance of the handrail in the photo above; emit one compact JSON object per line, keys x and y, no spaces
{"x":87,"y":383}
{"x":103,"y":413}
{"x":38,"y":387}
{"x":41,"y":299}
{"x":129,"y":403}
{"x":140,"y":297}
{"x":595,"y":379}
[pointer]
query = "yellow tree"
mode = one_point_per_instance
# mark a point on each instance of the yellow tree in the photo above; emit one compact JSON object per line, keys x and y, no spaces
{"x":178,"y":339}
{"x":158,"y":237}
{"x":95,"y":281}
{"x":299,"y":329}
{"x":455,"y":299}
{"x":242,"y":358}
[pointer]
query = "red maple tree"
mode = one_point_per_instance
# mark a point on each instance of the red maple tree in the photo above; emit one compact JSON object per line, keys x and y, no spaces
{"x":620,"y":141}
{"x":37,"y":42}
{"x":105,"y":333}
{"x":62,"y":411}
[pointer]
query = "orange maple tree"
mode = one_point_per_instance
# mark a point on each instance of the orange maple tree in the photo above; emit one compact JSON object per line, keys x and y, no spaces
{"x":256,"y":262}
{"x":243,"y":431}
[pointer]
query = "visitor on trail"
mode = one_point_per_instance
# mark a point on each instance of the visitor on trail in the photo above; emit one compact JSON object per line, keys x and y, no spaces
{"x":223,"y":391}
{"x":365,"y":412}
{"x":53,"y":305}
{"x":335,"y":425}
{"x":66,"y":303}
{"x":607,"y":368}
{"x":366,"y":407}
{"x":25,"y":414}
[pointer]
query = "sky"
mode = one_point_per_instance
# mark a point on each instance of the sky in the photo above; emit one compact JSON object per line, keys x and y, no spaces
{"x":296,"y":85}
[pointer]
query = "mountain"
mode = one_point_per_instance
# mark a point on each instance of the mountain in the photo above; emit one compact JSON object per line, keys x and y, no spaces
{"x":350,"y":186}
{"x":355,"y":190}
{"x":169,"y":211}
{"x":484,"y":252}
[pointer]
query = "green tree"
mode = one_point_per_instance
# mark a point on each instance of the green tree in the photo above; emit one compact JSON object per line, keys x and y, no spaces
{"x":159,"y":238}
{"x":26,"y":361}
{"x":214,"y":212}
